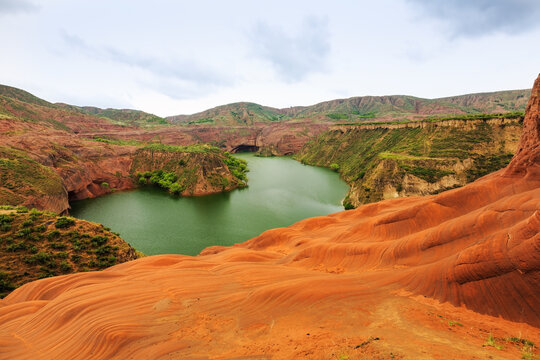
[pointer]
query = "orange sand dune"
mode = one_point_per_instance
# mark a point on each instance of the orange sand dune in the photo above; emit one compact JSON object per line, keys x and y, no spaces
{"x":387,"y":280}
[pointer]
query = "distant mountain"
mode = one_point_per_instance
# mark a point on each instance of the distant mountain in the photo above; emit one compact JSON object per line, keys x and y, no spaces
{"x":21,"y":105}
{"x":120,"y":116}
{"x":242,"y":113}
{"x":23,"y":96}
{"x":356,"y":109}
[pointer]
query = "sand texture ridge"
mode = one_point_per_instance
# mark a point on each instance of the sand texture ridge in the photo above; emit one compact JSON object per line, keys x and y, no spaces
{"x":387,"y":280}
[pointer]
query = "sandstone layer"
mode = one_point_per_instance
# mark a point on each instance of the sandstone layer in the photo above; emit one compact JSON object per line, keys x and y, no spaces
{"x":377,"y":281}
{"x":384,"y":161}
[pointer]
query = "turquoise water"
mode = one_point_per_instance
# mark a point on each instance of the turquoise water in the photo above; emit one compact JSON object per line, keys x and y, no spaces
{"x":281,"y":192}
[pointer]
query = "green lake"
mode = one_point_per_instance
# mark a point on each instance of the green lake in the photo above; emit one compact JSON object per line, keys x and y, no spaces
{"x":281,"y":192}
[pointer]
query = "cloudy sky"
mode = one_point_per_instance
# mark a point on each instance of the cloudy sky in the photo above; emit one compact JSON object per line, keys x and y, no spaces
{"x":179,"y":57}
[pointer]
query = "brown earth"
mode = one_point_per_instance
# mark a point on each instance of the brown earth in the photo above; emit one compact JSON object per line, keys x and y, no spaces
{"x":449,"y":276}
{"x":272,"y":139}
{"x":86,"y":168}
{"x":82,"y":165}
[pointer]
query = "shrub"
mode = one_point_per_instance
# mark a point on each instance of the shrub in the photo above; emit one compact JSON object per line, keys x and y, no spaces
{"x":334,"y":167}
{"x":5,"y":284}
{"x":16,"y":247}
{"x":65,"y":266}
{"x":57,"y":246}
{"x":53,"y":234}
{"x":64,"y":222}
{"x":35,"y":214}
{"x":27,"y":223}
{"x":176,"y":188}
{"x":41,"y":258}
{"x":5,"y":219}
{"x":103,"y":250}
{"x":24,"y":232}
{"x":62,"y":255}
{"x":99,"y":240}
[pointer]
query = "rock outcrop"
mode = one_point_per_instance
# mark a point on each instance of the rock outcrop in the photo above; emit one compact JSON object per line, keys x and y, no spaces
{"x":383,"y":161}
{"x":311,"y":290}
{"x":202,"y":171}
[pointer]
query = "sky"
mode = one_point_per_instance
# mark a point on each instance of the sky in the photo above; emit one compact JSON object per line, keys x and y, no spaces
{"x":180,"y":57}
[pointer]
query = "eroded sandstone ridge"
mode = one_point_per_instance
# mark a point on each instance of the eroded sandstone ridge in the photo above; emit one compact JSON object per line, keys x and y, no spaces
{"x":419,"y":277}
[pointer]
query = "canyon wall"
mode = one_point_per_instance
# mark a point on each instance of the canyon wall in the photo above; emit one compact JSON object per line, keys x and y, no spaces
{"x":198,"y":170}
{"x":383,"y":161}
{"x":376,"y":281}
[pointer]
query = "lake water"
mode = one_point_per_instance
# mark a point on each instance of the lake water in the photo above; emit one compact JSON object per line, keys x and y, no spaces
{"x":281,"y":192}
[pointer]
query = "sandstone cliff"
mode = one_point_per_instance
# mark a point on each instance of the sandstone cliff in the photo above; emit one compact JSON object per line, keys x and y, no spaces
{"x":46,"y":168}
{"x":384,"y":161}
{"x":337,"y":286}
{"x":189,"y":171}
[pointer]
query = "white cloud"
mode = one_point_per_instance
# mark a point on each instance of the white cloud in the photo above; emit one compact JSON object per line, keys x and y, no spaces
{"x":174,"y":57}
{"x":293,"y":55}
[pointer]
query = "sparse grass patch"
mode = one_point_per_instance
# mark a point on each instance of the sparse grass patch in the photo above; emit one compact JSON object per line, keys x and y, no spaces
{"x":491,"y":341}
{"x":527,"y":347}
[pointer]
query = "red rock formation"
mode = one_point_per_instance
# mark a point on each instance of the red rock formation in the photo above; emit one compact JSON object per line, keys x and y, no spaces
{"x":317,"y":289}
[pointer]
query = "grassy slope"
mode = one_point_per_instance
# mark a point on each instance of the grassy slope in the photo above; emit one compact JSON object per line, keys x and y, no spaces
{"x":370,"y":159}
{"x":243,"y":113}
{"x":19,"y":104}
{"x":21,"y":177}
{"x":121,"y":116}
{"x":36,"y":244}
{"x":362,"y":109}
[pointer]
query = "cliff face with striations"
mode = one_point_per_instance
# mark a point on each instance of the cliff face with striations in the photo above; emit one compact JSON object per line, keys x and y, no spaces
{"x":78,"y":167}
{"x":189,"y":171}
{"x":384,"y":161}
{"x":375,"y":282}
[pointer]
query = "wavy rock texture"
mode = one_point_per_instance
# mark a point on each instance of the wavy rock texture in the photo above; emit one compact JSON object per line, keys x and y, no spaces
{"x":318,"y":288}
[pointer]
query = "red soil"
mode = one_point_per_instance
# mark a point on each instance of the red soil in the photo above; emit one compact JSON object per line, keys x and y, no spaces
{"x":431,"y":277}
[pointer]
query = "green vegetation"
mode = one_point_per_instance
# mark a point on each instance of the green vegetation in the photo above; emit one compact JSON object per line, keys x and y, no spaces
{"x":22,"y":177}
{"x":491,"y":341}
{"x":201,"y":121}
{"x":527,"y":347}
{"x":122,"y":116}
{"x":165,"y":180}
{"x":6,"y":286}
{"x":337,"y":116}
{"x":377,"y":159}
{"x":238,"y":167}
{"x":116,"y":141}
{"x":242,"y":113}
{"x":178,"y":169}
{"x":481,"y":116}
{"x":64,"y":222}
{"x":39,"y":244}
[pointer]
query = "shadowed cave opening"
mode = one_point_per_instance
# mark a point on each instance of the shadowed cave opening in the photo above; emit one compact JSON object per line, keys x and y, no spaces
{"x":244,"y":148}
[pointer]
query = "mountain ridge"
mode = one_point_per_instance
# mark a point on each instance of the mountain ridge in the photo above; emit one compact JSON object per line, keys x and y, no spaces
{"x":386,"y":107}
